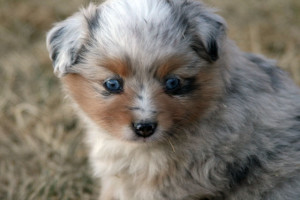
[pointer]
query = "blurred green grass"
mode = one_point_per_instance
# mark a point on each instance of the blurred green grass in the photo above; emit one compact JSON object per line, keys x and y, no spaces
{"x":42,"y":155}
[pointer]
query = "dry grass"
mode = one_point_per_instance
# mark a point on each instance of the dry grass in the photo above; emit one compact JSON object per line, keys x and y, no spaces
{"x":41,"y":150}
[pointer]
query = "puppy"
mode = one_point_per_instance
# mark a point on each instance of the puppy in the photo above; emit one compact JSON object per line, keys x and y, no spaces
{"x":174,"y":110}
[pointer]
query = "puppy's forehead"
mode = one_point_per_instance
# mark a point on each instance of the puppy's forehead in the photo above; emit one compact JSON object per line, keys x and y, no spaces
{"x":142,"y":30}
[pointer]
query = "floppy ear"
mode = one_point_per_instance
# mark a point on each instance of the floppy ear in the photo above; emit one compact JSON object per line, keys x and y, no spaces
{"x":207,"y":30}
{"x":208,"y":43}
{"x":66,"y":40}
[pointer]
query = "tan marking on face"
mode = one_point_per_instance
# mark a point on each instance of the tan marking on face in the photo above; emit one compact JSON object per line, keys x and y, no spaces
{"x":205,"y":97}
{"x":117,"y":66}
{"x":170,"y":110}
{"x":110,"y":113}
{"x":183,"y":111}
{"x":171,"y":65}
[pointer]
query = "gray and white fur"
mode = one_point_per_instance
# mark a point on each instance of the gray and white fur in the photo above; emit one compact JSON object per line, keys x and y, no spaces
{"x":244,"y":146}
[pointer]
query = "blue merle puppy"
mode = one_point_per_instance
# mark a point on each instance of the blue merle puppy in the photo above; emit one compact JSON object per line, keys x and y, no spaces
{"x":174,"y":110}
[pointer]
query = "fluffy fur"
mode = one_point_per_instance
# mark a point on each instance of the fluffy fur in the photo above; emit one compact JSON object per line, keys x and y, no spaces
{"x":231,"y":131}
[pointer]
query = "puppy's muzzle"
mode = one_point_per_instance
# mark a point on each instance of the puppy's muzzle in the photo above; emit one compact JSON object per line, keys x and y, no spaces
{"x":144,"y":129}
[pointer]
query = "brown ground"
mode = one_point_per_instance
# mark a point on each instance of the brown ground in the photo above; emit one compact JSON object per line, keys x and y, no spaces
{"x":41,"y":151}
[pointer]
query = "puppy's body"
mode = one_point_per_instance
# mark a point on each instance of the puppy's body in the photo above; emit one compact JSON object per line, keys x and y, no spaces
{"x":229,"y":130}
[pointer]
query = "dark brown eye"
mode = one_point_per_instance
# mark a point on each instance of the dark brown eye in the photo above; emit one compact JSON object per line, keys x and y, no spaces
{"x":114,"y":85}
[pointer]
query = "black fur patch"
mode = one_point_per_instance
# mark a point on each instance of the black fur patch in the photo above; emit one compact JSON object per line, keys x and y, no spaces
{"x":55,"y":45}
{"x":134,"y":108}
{"x":168,"y":2}
{"x":140,"y":97}
{"x":198,"y":46}
{"x":267,"y":67}
{"x":56,"y":35}
{"x":93,"y":22}
{"x":210,"y":52}
{"x":212,"y":49}
{"x":54,"y":55}
{"x":188,"y":86}
{"x":233,"y":87}
{"x":238,"y":172}
{"x":78,"y":57}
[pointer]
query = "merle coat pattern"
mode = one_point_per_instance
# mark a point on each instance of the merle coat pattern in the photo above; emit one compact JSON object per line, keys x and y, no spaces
{"x":231,"y":131}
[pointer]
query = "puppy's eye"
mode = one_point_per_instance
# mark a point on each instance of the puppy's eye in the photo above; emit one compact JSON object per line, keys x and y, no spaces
{"x":114,"y":85}
{"x":172,"y":84}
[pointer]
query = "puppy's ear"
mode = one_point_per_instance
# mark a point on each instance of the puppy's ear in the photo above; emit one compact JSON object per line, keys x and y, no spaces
{"x":206,"y":29}
{"x":66,"y":40}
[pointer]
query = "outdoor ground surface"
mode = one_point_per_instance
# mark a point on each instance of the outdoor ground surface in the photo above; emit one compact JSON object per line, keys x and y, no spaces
{"x":42,"y":155}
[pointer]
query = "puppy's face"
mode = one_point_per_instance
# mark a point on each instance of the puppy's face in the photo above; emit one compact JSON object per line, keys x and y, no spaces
{"x":147,"y":83}
{"x":147,"y":104}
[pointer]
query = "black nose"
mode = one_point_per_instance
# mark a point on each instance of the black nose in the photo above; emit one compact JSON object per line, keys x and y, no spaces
{"x":144,"y":129}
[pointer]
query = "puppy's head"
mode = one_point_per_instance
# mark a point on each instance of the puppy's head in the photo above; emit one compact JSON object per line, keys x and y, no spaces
{"x":143,"y":70}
